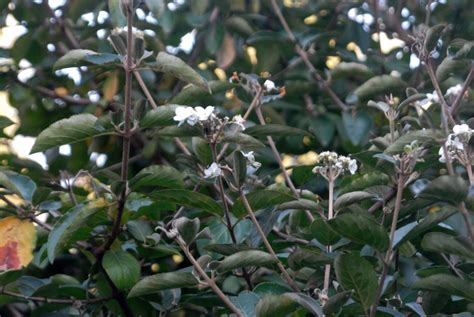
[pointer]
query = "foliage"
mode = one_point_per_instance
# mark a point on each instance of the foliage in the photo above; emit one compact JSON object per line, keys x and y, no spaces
{"x":194,"y":209}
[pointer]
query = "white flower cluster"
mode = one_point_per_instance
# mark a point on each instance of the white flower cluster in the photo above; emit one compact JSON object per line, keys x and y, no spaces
{"x":454,"y":91}
{"x":192,"y":115}
{"x":456,"y":143}
{"x":238,"y":121}
{"x":252,"y":164}
{"x":136,"y":32}
{"x":431,"y":98}
{"x":332,"y":165}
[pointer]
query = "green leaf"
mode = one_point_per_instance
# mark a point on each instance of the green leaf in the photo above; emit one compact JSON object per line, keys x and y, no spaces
{"x":189,"y":199}
{"x":379,"y":85}
{"x":345,"y":69}
{"x":302,"y":258}
{"x":187,"y":228}
{"x":73,"y":129}
{"x":157,"y":176}
{"x":360,"y":229}
{"x":117,"y":17}
{"x":260,"y":199}
{"x":309,"y":303}
{"x":10,"y":276}
{"x":246,"y":301}
{"x":155,"y":283}
{"x":139,"y":229}
{"x":64,"y":230}
{"x":432,"y":36}
{"x":452,"y":67}
{"x":428,"y":222}
{"x":322,"y":231}
{"x":348,"y":199}
{"x":446,"y":188}
{"x":172,"y":65}
{"x":183,"y":131}
{"x":245,"y":258}
{"x":356,"y":273}
{"x":269,"y":288}
{"x":422,"y":136}
{"x":301,"y":203}
{"x":356,"y":126}
{"x":244,"y":140}
{"x":275,"y":130}
{"x":275,"y":306}
{"x":19,"y":184}
{"x":159,"y":117}
{"x":446,"y":284}
{"x":445,"y":243}
{"x":335,"y":302}
{"x":122,"y":268}
{"x":80,"y":57}
{"x":194,"y":94}
{"x":202,"y":150}
{"x":323,"y":129}
{"x":433,"y":302}
{"x":156,"y":6}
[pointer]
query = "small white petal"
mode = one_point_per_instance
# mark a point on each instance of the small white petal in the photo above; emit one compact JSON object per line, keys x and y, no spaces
{"x":269,"y":85}
{"x":212,"y":171}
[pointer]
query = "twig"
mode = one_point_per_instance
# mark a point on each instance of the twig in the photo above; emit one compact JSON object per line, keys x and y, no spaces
{"x":267,"y":243}
{"x":287,"y":237}
{"x":207,"y":279}
{"x":56,"y":300}
{"x":327,"y":269}
{"x":322,"y":83}
{"x":457,"y":102}
{"x":451,"y":265}
{"x":144,"y":88}
{"x":388,"y":256}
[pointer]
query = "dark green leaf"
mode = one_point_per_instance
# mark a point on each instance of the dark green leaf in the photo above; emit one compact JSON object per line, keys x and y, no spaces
{"x":116,"y":15}
{"x":268,"y":288}
{"x":356,"y":273}
{"x":189,"y":199}
{"x":379,"y":85}
{"x":322,"y":231}
{"x":446,"y":284}
{"x":275,"y":306}
{"x":174,"y":66}
{"x":445,"y":243}
{"x":187,"y":228}
{"x":259,"y":200}
{"x":246,"y":302}
{"x":446,"y":188}
{"x":139,"y":229}
{"x":163,"y":281}
{"x":433,"y":302}
{"x":157,"y":176}
{"x":245,"y":258}
{"x":122,"y":268}
{"x":159,"y":117}
{"x":450,"y":67}
{"x":274,"y":130}
{"x":5,"y":122}
{"x":244,"y":140}
{"x":356,"y":126}
{"x":76,"y":128}
{"x":345,"y":69}
{"x":360,"y":229}
{"x":80,"y":57}
{"x":202,"y":150}
{"x":335,"y":302}
{"x":421,"y":136}
{"x":348,"y":199}
{"x":64,"y":230}
{"x":156,"y":6}
{"x":19,"y":184}
{"x":193,"y":94}
{"x":432,"y":36}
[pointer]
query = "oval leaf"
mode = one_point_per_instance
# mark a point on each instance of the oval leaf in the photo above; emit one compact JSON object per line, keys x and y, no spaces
{"x":361,"y":229}
{"x":189,"y":199}
{"x":260,"y":199}
{"x":122,"y":268}
{"x":445,"y":243}
{"x":163,"y":281}
{"x":275,"y":130}
{"x":356,"y":273}
{"x":77,"y":58}
{"x":450,"y":189}
{"x":245,"y":258}
{"x":76,"y":128}
{"x":157,"y":175}
{"x":18,"y":239}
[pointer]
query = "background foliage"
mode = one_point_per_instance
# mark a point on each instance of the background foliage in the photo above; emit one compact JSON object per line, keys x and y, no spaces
{"x":348,"y":53}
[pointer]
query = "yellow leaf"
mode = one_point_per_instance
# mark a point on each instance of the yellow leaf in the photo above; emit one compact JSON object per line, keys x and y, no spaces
{"x":18,"y":239}
{"x":110,"y":87}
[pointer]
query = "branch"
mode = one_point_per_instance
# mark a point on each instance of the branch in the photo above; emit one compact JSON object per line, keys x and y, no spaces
{"x":304,"y":56}
{"x":267,"y":243}
{"x":208,"y":280}
{"x":457,"y":102}
{"x":56,"y":300}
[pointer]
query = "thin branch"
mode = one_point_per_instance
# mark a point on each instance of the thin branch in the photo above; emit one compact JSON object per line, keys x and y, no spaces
{"x":388,"y":255}
{"x":289,"y":238}
{"x":145,"y":89}
{"x":451,"y":265}
{"x":56,"y":300}
{"x":303,"y":54}
{"x":208,"y":280}
{"x":457,"y":102}
{"x":267,"y":243}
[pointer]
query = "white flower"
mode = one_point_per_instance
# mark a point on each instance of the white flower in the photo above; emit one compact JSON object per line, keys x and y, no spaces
{"x":442,"y":157}
{"x":461,"y":129}
{"x":252,"y":165}
{"x":269,"y":85}
{"x":238,"y":120}
{"x":433,"y":97}
{"x":204,"y":114}
{"x":454,"y":91}
{"x":212,"y":171}
{"x":352,"y":166}
{"x":185,"y":114}
{"x":453,"y":143}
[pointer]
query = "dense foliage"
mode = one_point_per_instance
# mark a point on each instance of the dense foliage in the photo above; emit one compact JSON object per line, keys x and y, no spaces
{"x":256,"y":158}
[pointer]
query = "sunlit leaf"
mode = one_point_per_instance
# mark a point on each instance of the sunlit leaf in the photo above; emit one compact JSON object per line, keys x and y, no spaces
{"x":18,"y":239}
